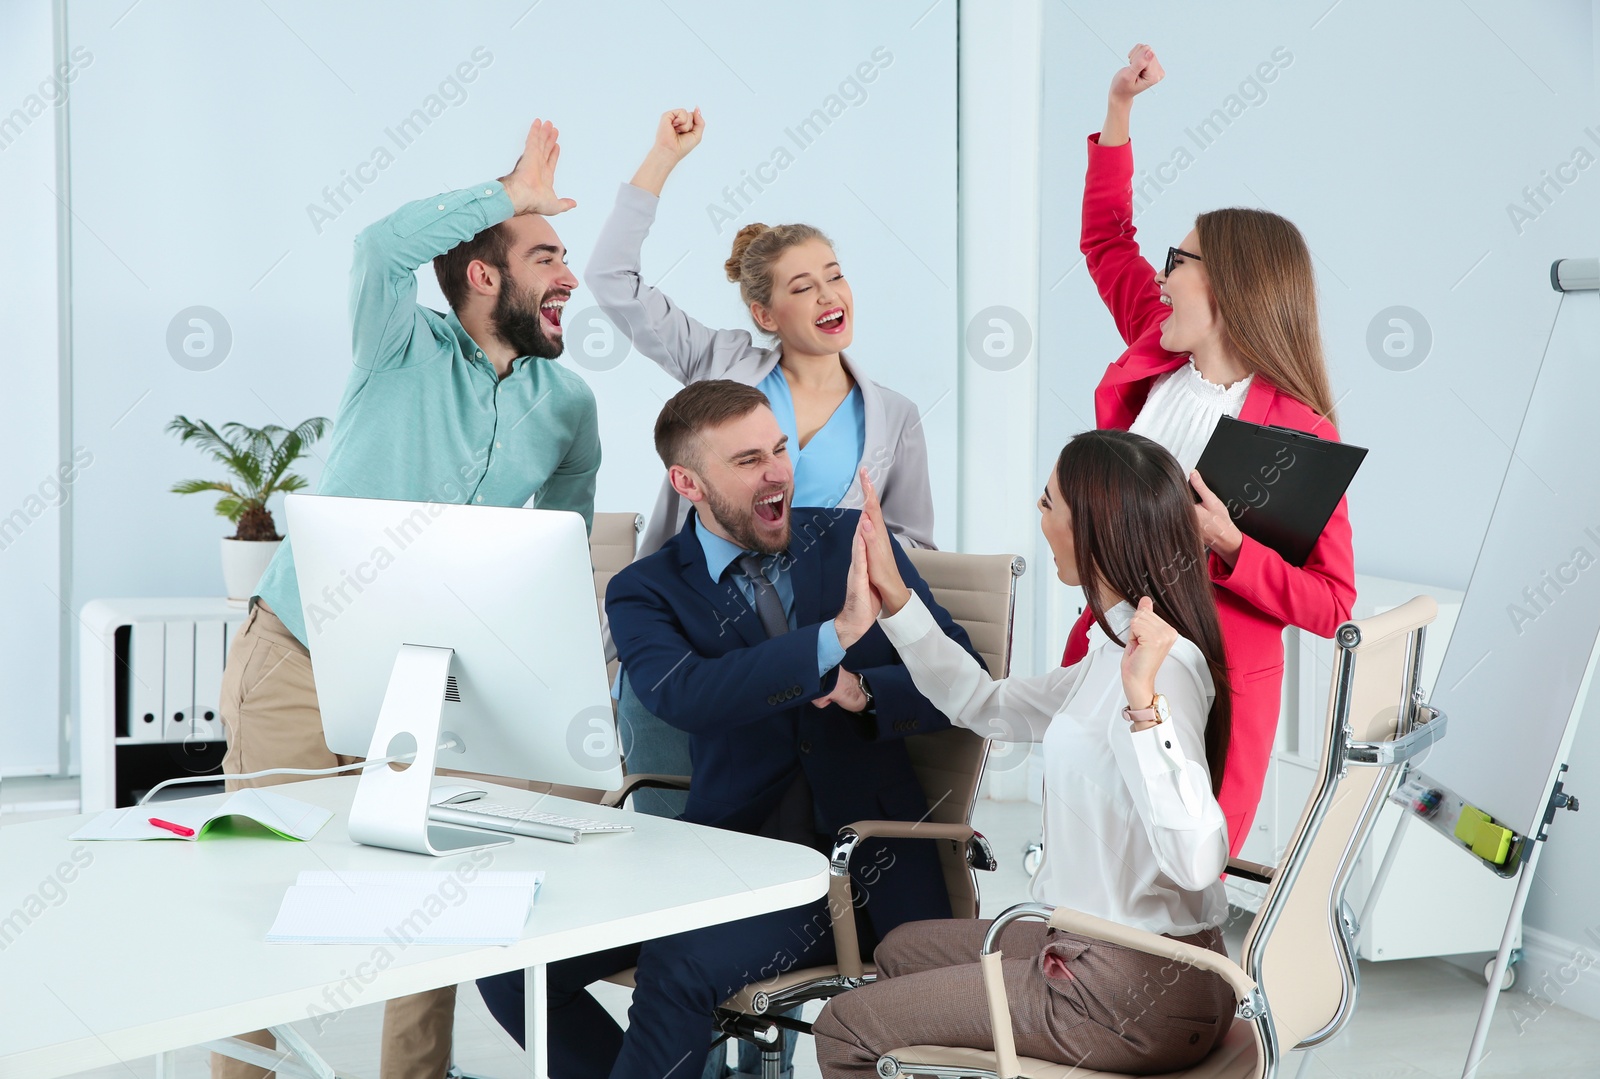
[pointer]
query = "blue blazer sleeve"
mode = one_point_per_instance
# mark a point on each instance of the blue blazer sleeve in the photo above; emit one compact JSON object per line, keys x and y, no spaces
{"x":901,"y":707}
{"x":698,"y":693}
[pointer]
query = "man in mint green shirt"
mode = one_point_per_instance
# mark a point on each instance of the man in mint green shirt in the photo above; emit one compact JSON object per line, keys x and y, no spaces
{"x":464,"y":407}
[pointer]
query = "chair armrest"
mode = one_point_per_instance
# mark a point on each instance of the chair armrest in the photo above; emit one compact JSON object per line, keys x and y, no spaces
{"x":643,"y":781}
{"x":979,"y":854}
{"x":1253,"y":871}
{"x":841,"y":892}
{"x":1431,"y":726}
{"x":1252,"y":1005}
{"x":1142,"y":940}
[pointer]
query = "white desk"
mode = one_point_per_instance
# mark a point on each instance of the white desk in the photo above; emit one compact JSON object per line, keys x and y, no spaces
{"x":158,"y":945}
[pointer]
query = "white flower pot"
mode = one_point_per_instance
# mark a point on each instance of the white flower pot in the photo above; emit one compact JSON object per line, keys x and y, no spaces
{"x":243,"y":563}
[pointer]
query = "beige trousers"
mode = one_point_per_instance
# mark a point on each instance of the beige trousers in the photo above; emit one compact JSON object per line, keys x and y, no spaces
{"x":1073,"y":1001}
{"x":270,"y":714}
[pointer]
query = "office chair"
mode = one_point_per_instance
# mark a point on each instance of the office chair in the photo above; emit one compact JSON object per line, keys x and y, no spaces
{"x":1297,"y":980}
{"x":613,"y":543}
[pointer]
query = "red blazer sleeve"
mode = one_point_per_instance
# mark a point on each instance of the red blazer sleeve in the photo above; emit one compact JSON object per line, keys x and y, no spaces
{"x":1127,"y":282}
{"x":1315,"y":597}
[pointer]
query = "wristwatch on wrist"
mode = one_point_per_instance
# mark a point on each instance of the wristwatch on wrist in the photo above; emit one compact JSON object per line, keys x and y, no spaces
{"x":1156,"y":713}
{"x":871,"y":705}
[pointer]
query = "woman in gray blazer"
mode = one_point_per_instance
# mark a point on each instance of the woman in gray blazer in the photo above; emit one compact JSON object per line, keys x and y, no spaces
{"x":837,"y":419}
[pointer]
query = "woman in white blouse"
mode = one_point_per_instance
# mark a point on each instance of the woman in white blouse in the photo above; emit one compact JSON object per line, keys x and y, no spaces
{"x":1134,"y":735}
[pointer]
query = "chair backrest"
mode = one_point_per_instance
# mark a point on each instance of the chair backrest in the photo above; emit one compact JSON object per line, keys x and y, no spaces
{"x":980,"y":592}
{"x":613,"y":541}
{"x":1299,"y":947}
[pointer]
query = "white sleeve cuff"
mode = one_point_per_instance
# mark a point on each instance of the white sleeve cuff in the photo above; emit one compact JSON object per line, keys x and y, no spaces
{"x":1159,"y":755}
{"x":911,"y":623}
{"x":1156,"y":749}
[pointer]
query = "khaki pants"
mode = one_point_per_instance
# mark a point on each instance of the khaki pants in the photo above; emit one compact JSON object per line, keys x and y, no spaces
{"x":1093,"y":1005}
{"x":270,"y":714}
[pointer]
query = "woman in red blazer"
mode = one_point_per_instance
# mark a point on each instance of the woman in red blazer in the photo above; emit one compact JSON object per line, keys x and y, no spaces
{"x":1236,"y":304}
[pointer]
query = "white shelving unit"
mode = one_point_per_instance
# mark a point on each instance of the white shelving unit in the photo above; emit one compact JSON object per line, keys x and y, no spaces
{"x":1435,"y":902}
{"x":150,"y":678}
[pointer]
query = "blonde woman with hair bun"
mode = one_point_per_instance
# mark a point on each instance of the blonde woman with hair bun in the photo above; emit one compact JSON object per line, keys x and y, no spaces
{"x":837,"y":420}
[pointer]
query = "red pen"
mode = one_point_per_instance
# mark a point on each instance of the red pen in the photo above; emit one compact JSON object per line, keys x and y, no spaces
{"x":177,"y":829}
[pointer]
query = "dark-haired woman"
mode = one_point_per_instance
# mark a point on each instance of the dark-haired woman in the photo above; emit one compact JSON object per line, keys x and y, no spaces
{"x":838,"y":420}
{"x":1134,"y":735}
{"x":1229,"y":327}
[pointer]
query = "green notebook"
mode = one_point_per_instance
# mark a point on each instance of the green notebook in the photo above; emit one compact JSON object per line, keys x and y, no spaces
{"x":287,"y":817}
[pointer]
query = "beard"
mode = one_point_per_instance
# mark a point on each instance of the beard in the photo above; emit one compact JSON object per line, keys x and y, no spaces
{"x":738,"y":521}
{"x":517,"y":322}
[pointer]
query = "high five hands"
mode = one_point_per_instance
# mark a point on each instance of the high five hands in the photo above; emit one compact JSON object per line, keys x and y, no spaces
{"x":875,"y":584}
{"x":531,"y":183}
{"x":862,"y":604}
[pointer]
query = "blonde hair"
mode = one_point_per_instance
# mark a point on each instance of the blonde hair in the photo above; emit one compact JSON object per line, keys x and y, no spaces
{"x":1266,"y":292}
{"x":756,"y":249}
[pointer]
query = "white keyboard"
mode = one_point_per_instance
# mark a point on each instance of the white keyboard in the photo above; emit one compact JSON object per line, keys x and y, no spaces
{"x":520,"y":820}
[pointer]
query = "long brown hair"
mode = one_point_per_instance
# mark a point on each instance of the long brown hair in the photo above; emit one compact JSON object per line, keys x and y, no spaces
{"x":1266,"y":292}
{"x":1134,"y":532}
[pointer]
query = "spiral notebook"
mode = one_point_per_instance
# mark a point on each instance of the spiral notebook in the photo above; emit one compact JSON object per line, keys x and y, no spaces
{"x":405,"y":907}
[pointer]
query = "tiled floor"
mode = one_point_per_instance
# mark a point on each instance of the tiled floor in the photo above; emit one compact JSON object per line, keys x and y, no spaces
{"x":1415,"y":1017}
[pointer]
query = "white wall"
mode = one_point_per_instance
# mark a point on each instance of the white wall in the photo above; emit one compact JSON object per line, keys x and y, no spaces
{"x":195,"y":178}
{"x":31,"y":494}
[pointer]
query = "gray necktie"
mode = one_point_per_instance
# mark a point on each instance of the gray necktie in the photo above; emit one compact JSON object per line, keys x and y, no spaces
{"x":768,"y":606}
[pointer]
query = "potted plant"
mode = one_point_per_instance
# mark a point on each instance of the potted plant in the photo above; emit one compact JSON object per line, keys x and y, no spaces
{"x":258,"y":459}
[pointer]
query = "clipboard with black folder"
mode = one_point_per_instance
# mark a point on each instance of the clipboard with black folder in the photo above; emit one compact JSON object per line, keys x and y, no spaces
{"x":1280,"y":485}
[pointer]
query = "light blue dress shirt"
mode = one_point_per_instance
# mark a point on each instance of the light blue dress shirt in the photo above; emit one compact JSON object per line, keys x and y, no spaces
{"x":825,"y":468}
{"x":720,"y":554}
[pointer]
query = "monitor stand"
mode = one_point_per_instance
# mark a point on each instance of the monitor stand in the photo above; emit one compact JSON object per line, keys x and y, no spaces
{"x":391,"y":803}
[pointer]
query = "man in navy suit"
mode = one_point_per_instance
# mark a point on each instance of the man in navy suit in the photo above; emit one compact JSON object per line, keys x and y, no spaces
{"x":797,"y":707}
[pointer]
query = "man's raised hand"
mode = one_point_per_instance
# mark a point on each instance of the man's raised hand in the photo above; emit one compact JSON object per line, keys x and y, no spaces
{"x":532,"y":183}
{"x":861,"y":601}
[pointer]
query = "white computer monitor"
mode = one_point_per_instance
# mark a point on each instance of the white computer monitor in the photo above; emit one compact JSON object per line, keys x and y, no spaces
{"x":475,"y":626}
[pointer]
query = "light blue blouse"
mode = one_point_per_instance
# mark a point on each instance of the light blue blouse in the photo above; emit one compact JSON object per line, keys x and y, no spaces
{"x":826,"y":467}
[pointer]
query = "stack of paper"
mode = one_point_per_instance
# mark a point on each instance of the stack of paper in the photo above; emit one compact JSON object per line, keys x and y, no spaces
{"x":403,"y":908}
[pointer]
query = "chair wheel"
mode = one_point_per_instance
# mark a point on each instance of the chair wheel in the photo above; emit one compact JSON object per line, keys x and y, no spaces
{"x":1032,"y":856}
{"x":1508,"y":979}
